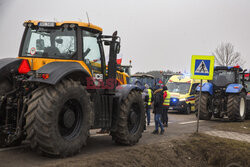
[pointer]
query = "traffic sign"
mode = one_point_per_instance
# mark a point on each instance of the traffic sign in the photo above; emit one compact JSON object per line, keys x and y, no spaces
{"x":202,"y":67}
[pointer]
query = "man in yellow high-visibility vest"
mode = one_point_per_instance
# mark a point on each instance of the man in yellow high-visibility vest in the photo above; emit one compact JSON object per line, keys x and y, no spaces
{"x":166,"y":103}
{"x":149,"y":103}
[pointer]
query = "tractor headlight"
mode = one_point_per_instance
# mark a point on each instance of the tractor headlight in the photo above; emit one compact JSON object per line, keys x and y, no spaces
{"x":42,"y":75}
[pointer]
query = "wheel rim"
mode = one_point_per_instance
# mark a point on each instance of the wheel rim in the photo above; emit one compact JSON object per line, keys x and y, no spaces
{"x":134,"y":118}
{"x":242,"y":107}
{"x":70,"y":119}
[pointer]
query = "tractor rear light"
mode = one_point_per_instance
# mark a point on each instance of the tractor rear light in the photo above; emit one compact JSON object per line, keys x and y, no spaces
{"x":236,"y":87}
{"x":45,"y":76}
{"x":42,"y":75}
{"x":237,"y":66}
{"x":24,"y":67}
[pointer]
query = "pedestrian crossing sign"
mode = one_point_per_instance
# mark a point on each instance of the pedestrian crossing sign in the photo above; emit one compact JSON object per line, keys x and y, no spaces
{"x":202,"y":67}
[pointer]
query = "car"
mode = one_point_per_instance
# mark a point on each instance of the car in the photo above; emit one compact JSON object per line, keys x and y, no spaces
{"x":182,"y":89}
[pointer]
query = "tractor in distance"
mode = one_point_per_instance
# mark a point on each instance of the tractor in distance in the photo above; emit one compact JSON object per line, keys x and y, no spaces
{"x":126,"y":68}
{"x":141,"y":79}
{"x":225,"y":95}
{"x":58,"y":89}
{"x":246,"y":78}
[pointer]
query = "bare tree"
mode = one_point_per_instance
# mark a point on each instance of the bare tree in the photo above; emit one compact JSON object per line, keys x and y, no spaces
{"x":226,"y":56}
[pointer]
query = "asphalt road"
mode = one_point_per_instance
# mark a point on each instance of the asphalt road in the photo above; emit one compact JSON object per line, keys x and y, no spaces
{"x":180,"y":125}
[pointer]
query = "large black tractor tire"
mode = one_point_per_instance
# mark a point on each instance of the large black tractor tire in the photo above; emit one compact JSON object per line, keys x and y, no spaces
{"x":130,"y":120}
{"x":205,"y":113}
{"x":236,"y":107}
{"x":58,"y":119}
{"x":248,"y":108}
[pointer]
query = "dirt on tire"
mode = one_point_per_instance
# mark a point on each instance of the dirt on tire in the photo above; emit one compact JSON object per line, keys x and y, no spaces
{"x":123,"y":135}
{"x":233,"y":107}
{"x":204,"y":112}
{"x":43,"y":119}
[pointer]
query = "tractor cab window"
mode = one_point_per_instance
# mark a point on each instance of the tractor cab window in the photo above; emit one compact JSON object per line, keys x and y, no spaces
{"x":91,"y":51}
{"x":223,"y":78}
{"x":56,"y":42}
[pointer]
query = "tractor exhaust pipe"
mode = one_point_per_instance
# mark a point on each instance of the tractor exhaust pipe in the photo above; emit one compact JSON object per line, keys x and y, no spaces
{"x":112,"y":64}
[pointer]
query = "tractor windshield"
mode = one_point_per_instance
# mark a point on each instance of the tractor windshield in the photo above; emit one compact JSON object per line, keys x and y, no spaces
{"x":223,"y":78}
{"x":49,"y":43}
{"x":178,"y":87}
{"x":144,"y":80}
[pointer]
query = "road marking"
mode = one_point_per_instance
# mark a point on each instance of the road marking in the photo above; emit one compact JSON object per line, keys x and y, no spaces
{"x":190,"y":122}
{"x":13,"y":148}
{"x":229,"y":135}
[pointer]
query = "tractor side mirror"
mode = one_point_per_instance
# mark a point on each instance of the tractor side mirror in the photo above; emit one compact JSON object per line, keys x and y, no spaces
{"x":40,"y":44}
{"x":117,"y":47}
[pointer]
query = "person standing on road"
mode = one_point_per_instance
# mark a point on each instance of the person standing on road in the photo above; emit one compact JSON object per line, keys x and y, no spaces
{"x":158,"y":109}
{"x":148,"y":100}
{"x":166,"y":103}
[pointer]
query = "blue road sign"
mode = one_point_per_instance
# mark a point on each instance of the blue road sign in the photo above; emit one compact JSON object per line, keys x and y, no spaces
{"x":202,"y":67}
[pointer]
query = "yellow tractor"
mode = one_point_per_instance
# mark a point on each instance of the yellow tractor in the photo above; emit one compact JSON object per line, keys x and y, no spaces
{"x":58,"y":89}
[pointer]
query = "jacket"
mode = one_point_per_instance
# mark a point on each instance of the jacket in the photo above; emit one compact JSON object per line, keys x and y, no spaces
{"x":158,"y":102}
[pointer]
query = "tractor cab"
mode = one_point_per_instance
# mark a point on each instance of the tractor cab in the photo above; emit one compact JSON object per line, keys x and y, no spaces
{"x":45,"y":42}
{"x":83,"y":43}
{"x":223,"y":76}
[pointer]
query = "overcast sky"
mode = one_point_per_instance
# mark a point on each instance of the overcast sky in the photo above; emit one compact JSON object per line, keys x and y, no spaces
{"x":156,"y":34}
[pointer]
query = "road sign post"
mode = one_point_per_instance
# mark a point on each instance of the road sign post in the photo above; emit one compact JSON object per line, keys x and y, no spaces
{"x":199,"y":109}
{"x":202,"y":67}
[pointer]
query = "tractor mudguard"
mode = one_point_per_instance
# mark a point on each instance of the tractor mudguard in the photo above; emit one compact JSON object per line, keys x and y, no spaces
{"x":122,"y":91}
{"x":57,"y":71}
{"x":206,"y":87}
{"x":234,"y":88}
{"x":8,"y":65}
